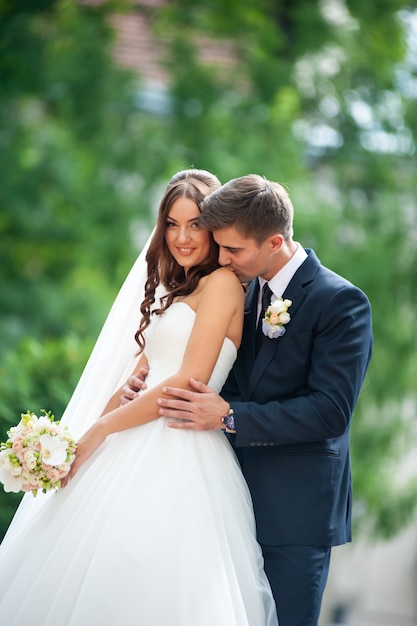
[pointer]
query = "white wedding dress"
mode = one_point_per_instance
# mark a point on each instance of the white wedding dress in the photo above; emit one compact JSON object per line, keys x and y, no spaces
{"x":156,"y":529}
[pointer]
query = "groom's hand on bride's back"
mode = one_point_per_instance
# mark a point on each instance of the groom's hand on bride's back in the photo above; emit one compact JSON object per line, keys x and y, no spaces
{"x":134,"y":384}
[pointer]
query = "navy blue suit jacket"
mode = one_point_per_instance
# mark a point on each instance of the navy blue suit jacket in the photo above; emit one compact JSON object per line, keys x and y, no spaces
{"x":293,"y":406}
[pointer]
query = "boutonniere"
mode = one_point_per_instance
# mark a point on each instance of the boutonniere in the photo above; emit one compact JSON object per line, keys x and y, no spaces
{"x":276,"y":316}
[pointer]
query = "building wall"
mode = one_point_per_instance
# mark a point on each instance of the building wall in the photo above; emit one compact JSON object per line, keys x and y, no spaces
{"x":373,"y":584}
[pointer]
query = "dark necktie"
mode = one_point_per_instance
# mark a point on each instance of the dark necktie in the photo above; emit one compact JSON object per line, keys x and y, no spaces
{"x":266,"y":301}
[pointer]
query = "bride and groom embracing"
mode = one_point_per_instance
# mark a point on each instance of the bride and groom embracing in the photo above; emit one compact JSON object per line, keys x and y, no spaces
{"x":164,"y":520}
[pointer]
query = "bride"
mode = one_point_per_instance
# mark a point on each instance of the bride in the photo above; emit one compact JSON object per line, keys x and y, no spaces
{"x":155,"y":526}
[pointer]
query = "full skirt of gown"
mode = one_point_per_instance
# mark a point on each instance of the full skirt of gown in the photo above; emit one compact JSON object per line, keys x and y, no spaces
{"x":156,"y":529}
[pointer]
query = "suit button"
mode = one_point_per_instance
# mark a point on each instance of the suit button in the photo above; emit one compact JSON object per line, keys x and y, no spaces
{"x":252,"y":443}
{"x":259,"y":443}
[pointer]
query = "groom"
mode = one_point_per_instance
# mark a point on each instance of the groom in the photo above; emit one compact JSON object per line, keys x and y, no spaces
{"x":288,"y":401}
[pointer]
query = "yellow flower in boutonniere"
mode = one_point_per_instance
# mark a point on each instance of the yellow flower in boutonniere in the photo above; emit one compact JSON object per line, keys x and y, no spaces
{"x":276,"y":316}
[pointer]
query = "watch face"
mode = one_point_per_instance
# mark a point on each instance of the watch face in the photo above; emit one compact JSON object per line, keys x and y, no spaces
{"x":230,"y":422}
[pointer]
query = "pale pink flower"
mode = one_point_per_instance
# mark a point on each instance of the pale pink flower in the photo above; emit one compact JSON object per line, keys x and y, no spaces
{"x":20,"y":454}
{"x":37,"y":454}
{"x":274,"y":318}
{"x":53,"y":475}
{"x":17,"y":445}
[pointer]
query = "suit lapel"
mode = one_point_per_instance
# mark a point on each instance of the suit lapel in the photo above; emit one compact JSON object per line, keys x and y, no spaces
{"x":295,"y":291}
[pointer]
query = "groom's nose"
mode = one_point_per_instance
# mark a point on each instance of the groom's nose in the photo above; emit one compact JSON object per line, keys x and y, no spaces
{"x":224,"y":257}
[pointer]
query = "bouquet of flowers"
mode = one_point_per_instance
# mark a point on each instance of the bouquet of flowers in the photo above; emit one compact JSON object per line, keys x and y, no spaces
{"x":37,"y":454}
{"x":276,"y":316}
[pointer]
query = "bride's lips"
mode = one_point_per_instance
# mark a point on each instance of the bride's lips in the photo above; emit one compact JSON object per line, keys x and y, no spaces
{"x":185,"y":251}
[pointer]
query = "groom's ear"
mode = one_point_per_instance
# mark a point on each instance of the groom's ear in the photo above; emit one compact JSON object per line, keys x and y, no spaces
{"x":276,"y":242}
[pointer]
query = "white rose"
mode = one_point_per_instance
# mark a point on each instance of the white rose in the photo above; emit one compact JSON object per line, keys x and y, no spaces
{"x":15,"y":470}
{"x":10,"y":468}
{"x":29,"y":478}
{"x":277,"y":307}
{"x":284,"y":318}
{"x":4,"y":457}
{"x":43,"y":423}
{"x":29,"y":459}
{"x":10,"y":482}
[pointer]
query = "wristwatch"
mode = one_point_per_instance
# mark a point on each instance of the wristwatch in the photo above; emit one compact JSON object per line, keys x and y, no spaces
{"x":229,"y":421}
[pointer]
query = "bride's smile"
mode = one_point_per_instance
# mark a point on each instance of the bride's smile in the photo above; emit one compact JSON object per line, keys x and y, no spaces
{"x":188,"y":243}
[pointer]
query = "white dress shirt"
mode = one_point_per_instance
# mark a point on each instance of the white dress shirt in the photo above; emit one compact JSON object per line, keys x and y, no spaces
{"x":280,"y":281}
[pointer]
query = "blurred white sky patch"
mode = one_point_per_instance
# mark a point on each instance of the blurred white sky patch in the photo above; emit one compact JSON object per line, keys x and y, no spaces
{"x":379,"y":117}
{"x":336,"y":13}
{"x":406,"y":73}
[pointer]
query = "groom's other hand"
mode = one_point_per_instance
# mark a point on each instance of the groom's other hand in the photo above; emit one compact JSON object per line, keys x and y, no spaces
{"x":134,"y":384}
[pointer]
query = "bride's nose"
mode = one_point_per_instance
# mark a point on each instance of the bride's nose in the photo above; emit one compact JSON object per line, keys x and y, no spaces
{"x":183,"y":234}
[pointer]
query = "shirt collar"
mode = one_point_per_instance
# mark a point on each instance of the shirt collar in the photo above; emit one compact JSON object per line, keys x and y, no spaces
{"x":282,"y":278}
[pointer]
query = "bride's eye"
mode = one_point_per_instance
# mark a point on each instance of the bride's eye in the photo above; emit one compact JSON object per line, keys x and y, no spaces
{"x":170,"y":224}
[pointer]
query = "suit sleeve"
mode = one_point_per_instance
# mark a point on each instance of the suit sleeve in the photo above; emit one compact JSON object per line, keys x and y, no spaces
{"x":309,"y":392}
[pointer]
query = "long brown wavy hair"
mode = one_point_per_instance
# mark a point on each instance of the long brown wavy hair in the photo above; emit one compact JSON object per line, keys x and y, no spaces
{"x":162,"y":267}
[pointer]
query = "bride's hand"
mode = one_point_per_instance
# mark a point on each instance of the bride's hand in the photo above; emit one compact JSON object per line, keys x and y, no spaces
{"x":134,"y":385}
{"x":88,"y":444}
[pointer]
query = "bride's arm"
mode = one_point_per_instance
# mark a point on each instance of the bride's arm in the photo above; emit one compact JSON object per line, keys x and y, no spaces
{"x":220,"y":301}
{"x":114,"y":401}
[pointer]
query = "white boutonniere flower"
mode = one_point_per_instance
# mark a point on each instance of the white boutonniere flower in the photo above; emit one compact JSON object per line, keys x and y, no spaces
{"x":276,"y":316}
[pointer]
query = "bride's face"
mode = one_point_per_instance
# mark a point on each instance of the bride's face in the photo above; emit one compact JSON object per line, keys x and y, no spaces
{"x":187,"y":242}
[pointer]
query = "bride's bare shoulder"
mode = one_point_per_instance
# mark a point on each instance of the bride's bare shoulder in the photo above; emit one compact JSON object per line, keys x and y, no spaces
{"x":222,"y":281}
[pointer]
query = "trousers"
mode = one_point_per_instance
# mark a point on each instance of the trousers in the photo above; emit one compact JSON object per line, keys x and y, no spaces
{"x":298,"y":577}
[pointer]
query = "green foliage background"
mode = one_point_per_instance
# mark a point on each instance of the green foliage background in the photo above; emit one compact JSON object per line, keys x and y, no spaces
{"x":321,"y":96}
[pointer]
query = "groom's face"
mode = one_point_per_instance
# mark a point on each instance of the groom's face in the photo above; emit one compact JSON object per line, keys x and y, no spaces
{"x":244,"y":256}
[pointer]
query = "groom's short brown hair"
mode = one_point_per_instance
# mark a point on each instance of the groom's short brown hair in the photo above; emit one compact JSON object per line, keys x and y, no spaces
{"x":255,"y":206}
